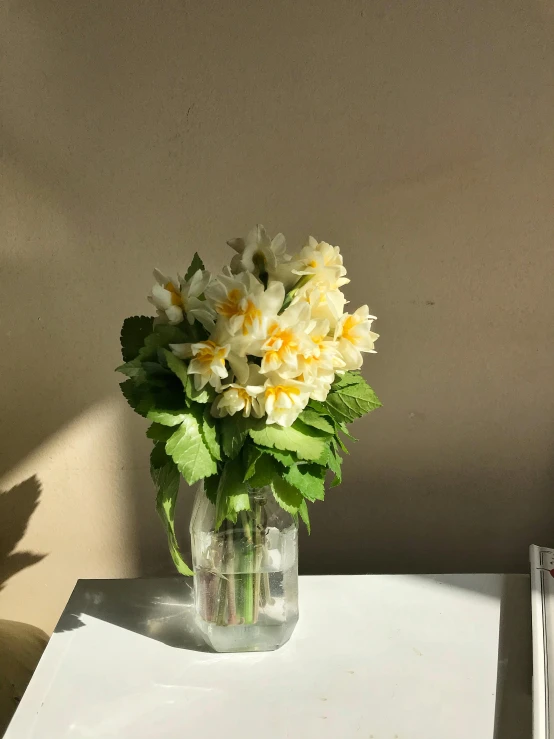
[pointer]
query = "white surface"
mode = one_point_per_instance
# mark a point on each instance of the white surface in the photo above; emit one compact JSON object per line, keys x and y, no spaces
{"x":542,"y":600}
{"x":411,"y":657}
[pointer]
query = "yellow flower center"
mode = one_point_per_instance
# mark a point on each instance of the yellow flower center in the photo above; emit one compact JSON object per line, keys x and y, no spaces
{"x":208,"y":353}
{"x":279,"y":343}
{"x":230,"y":307}
{"x":278,"y":390}
{"x":176,"y":298}
{"x":251,"y":314}
{"x":348,"y":327}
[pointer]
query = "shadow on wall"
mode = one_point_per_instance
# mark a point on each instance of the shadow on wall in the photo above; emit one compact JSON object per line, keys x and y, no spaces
{"x":17,"y":505}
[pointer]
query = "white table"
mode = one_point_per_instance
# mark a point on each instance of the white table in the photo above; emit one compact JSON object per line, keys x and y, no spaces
{"x":382,"y":657}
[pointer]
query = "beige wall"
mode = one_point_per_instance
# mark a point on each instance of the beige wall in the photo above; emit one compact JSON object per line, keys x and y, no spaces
{"x":417,"y":135}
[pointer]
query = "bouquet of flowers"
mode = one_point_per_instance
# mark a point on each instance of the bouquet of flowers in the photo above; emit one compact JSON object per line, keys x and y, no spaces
{"x":249,"y":377}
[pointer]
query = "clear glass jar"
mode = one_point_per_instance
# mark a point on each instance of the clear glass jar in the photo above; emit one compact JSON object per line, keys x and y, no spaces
{"x":245,"y":574}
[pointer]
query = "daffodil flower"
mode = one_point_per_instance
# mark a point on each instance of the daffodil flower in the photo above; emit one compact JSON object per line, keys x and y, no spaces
{"x":319,"y":362}
{"x":247,"y":399}
{"x":209,"y":359}
{"x":243,"y":302}
{"x":286,"y":339}
{"x":323,"y":262}
{"x":353,"y":335}
{"x":179,"y":299}
{"x":260,"y":255}
{"x":284,"y":399}
{"x":326,"y":304}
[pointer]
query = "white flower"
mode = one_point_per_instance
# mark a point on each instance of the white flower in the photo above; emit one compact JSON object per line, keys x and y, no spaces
{"x":259,"y":254}
{"x":325,"y":304}
{"x":177,"y":299}
{"x":323,"y":262}
{"x":236,"y":398}
{"x":207,"y":363}
{"x":243,"y":303}
{"x":284,"y":399}
{"x":353,"y":334}
{"x":208,"y":359}
{"x":286,"y":339}
{"x":319,"y":361}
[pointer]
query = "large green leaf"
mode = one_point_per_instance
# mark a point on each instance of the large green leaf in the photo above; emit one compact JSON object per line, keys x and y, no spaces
{"x":159,"y":432}
{"x":206,"y":395}
{"x":163,"y":335}
{"x":210,"y":435}
{"x":335,"y":462}
{"x":265,"y":472}
{"x":309,"y":479}
{"x":303,"y":512}
{"x":166,"y":479}
{"x":189,"y":451}
{"x":195,"y":265}
{"x":316,"y":420}
{"x":285,"y":458}
{"x":232,"y":493}
{"x":234,"y":430}
{"x":288,"y":497}
{"x":307,"y":442}
{"x":139,"y":397}
{"x":177,"y":366}
{"x":252,"y":456}
{"x":133,"y":369}
{"x":210,"y":487}
{"x":167,"y":417}
{"x":352,"y":402}
{"x":349,"y":378}
{"x":133,"y":334}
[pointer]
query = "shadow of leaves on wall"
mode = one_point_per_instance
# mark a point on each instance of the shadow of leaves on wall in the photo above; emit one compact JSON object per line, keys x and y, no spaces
{"x":17,"y":505}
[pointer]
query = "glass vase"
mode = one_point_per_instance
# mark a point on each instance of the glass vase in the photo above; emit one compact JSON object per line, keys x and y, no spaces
{"x":245,"y":574}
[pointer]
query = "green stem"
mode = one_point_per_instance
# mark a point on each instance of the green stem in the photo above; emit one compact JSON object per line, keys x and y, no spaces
{"x":221,"y":601}
{"x":248,"y":562}
{"x":257,"y":558}
{"x":230,"y":557}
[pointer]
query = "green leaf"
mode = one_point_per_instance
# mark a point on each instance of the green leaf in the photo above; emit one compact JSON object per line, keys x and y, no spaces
{"x":195,"y":265}
{"x":316,"y":420}
{"x":335,"y":462}
{"x":234,"y":430}
{"x":309,"y":479}
{"x":177,"y":366}
{"x":304,"y":440}
{"x":158,"y":457}
{"x":158,"y":432}
{"x":252,"y":456}
{"x":210,"y":435}
{"x":352,"y":402}
{"x":139,"y":397}
{"x":206,"y":395}
{"x":167,"y":417}
{"x":132,"y":369}
{"x":232,"y":493}
{"x":342,"y":445}
{"x":266,"y":470}
{"x":349,"y":378}
{"x":285,"y":458}
{"x":164,"y":334}
{"x":210,"y":488}
{"x":166,"y":479}
{"x":133,"y":335}
{"x":189,"y":452}
{"x":343,"y":428}
{"x":288,"y":497}
{"x":303,"y":511}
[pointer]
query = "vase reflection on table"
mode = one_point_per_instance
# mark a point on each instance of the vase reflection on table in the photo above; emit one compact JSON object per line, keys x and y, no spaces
{"x":245,"y":574}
